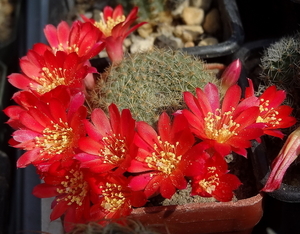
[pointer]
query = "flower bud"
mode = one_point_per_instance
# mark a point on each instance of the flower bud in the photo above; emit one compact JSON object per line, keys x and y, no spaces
{"x":231,"y":75}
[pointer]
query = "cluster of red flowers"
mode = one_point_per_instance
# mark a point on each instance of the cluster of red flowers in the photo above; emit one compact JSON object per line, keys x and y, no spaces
{"x":99,"y":165}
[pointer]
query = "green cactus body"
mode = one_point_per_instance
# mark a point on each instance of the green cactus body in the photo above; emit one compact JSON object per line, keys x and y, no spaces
{"x":280,"y":63}
{"x":148,"y":9}
{"x":151,"y":82}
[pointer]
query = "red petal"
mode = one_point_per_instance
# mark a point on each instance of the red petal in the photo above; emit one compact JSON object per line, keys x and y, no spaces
{"x":89,"y":145}
{"x":231,"y":98}
{"x":59,"y":209}
{"x":167,"y":189}
{"x":101,"y":121}
{"x":212,"y":93}
{"x":164,"y":127}
{"x":25,"y":135}
{"x":63,"y":32}
{"x":139,"y":182}
{"x":28,"y":157}
{"x":19,"y":81}
{"x":44,"y":191}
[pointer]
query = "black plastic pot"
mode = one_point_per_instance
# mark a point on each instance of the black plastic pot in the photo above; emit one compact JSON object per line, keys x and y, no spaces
{"x":282,"y":207}
{"x":233,"y":33}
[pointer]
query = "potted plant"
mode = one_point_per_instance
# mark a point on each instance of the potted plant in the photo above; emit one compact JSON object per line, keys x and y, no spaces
{"x":267,"y":62}
{"x":98,"y":162}
{"x":230,"y":34}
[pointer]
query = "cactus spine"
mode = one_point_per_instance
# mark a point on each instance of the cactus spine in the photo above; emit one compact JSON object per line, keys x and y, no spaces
{"x":148,"y":9}
{"x":280,"y":65}
{"x":151,"y":82}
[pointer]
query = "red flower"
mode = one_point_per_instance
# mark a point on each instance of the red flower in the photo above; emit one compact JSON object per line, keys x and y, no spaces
{"x":81,"y":38}
{"x":231,"y":75}
{"x":69,"y":185}
{"x":109,"y":145}
{"x":43,"y":72}
{"x":285,"y":158}
{"x":216,"y":181}
{"x":225,"y":128}
{"x":114,"y":198}
{"x":115,"y":28}
{"x":272,"y":113}
{"x":165,"y":157}
{"x":51,"y":130}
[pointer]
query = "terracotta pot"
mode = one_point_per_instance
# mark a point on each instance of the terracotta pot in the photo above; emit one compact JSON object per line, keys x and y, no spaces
{"x":196,"y":218}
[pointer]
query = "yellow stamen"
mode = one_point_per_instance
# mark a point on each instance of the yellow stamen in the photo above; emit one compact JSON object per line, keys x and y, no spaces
{"x":164,"y":158}
{"x":113,"y":197}
{"x":220,"y":128}
{"x":50,"y":79}
{"x":210,"y":184}
{"x":107,"y":26}
{"x":56,"y":139}
{"x":114,"y":150}
{"x":75,"y":188}
{"x":270,"y":115}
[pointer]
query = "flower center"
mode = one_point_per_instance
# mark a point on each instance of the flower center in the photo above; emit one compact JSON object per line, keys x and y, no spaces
{"x":114,"y":150}
{"x":57,"y":139}
{"x":164,"y":158}
{"x":68,"y":49}
{"x":209,"y":184}
{"x":74,"y":187}
{"x":268,"y":115}
{"x":113,"y":197}
{"x":107,"y":26}
{"x":50,"y":79}
{"x":220,"y":127}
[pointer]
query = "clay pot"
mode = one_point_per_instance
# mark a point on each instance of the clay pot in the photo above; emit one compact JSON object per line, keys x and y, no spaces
{"x":199,"y":218}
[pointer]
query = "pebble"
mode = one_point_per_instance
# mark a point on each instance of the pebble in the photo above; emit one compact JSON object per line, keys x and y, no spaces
{"x":194,"y":30}
{"x":208,"y":41}
{"x":140,"y":44}
{"x":168,"y":42}
{"x":192,"y":15}
{"x":204,"y":4}
{"x":212,"y":21}
{"x":145,"y":30}
{"x":178,"y":11}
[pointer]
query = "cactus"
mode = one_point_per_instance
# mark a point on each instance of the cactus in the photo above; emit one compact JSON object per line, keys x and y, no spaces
{"x":151,"y":82}
{"x":148,"y":9}
{"x":281,"y":63}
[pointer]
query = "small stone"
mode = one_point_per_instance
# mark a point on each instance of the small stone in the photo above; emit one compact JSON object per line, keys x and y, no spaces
{"x":140,"y":44}
{"x":165,"y":29}
{"x":127,"y":42}
{"x":179,"y":8}
{"x":189,"y":44}
{"x":192,"y":16}
{"x":168,"y":42}
{"x":212,"y":21}
{"x":187,"y":36}
{"x":103,"y":54}
{"x":204,"y":4}
{"x":164,"y":17}
{"x":194,"y":30}
{"x":145,"y":30}
{"x":208,"y":41}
